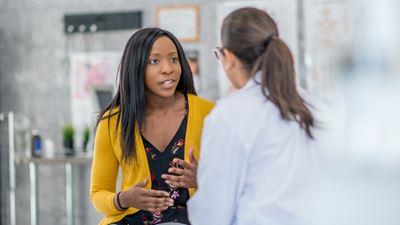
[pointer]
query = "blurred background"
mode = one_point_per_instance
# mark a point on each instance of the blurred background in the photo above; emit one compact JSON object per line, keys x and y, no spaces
{"x":58,"y":67}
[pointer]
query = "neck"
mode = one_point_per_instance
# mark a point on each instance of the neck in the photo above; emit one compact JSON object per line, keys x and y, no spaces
{"x":243,"y":77}
{"x":159,"y":104}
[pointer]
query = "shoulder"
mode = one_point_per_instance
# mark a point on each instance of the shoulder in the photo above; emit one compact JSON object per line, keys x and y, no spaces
{"x":109,"y":118}
{"x":245,"y":112}
{"x":200,"y":103}
{"x":240,"y":104}
{"x":110,"y":113}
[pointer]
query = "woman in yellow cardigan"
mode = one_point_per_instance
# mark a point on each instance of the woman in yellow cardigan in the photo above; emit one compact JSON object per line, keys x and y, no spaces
{"x":151,"y":131}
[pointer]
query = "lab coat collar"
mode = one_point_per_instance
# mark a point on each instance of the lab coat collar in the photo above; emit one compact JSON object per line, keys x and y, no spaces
{"x":255,"y":80}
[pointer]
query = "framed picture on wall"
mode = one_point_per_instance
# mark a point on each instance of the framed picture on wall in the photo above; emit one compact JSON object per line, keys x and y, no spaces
{"x":181,"y":20}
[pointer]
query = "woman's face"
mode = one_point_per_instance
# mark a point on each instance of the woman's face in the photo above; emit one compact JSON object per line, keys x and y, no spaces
{"x":163,"y":68}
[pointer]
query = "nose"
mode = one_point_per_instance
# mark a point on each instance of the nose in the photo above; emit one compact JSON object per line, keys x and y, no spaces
{"x":167,"y":68}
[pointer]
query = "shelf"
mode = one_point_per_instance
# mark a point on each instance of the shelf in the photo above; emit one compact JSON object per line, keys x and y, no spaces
{"x":16,"y":157}
{"x":57,"y":160}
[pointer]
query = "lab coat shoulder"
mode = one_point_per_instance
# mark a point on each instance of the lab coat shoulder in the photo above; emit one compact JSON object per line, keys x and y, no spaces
{"x":238,"y":107}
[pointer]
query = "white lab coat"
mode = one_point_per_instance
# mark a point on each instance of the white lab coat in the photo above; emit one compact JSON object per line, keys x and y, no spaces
{"x":254,"y":166}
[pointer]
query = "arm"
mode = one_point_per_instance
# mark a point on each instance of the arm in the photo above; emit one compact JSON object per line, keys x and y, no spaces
{"x":104,"y":175}
{"x":104,"y":172}
{"x":220,"y":175}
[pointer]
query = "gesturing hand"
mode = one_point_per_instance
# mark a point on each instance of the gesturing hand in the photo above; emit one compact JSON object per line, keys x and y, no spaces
{"x":184,"y":177}
{"x":149,"y":200}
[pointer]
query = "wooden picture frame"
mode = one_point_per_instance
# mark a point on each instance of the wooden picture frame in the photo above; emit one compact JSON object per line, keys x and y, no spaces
{"x":180,"y":20}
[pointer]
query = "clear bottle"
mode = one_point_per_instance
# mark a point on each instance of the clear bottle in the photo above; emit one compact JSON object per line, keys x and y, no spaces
{"x":36,"y":144}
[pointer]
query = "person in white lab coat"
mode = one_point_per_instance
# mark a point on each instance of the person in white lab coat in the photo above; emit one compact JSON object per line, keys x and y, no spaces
{"x":258,"y":144}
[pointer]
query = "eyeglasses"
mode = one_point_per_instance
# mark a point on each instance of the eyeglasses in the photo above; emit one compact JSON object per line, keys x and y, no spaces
{"x":218,"y":51}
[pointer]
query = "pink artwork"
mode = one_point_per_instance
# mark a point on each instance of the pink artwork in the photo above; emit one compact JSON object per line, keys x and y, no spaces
{"x":88,"y":70}
{"x":88,"y":74}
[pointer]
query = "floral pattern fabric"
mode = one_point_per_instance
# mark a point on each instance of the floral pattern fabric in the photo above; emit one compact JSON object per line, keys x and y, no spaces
{"x":159,"y":163}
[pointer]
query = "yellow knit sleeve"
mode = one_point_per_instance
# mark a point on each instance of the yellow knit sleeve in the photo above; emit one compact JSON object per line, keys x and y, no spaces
{"x":104,"y":171}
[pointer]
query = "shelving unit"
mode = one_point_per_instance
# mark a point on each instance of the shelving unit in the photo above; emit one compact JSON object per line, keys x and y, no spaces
{"x":33,"y":164}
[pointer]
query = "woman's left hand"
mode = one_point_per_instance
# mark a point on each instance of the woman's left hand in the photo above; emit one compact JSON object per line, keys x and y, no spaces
{"x":184,"y":177}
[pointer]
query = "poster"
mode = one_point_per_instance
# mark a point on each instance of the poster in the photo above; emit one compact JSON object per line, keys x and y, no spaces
{"x":87,"y":69}
{"x":328,"y":36}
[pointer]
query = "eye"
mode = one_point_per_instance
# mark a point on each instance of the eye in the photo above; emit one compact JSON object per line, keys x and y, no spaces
{"x":154,"y":61}
{"x":174,"y":59}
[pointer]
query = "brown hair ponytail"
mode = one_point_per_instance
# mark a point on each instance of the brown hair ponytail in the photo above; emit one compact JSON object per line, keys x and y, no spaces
{"x":252,"y":35}
{"x":278,"y":76}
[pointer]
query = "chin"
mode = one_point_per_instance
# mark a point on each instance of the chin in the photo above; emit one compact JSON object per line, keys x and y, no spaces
{"x":166,"y":93}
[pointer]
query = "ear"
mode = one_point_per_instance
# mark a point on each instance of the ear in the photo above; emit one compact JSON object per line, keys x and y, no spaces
{"x":229,"y":59}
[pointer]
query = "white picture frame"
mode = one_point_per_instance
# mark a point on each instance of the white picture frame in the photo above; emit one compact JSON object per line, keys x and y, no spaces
{"x":180,"y":20}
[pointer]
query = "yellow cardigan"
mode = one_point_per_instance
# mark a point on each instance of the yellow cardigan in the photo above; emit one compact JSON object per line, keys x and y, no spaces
{"x":108,"y":154}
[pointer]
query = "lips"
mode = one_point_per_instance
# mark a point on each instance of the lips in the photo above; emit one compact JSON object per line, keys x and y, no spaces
{"x":167,"y":83}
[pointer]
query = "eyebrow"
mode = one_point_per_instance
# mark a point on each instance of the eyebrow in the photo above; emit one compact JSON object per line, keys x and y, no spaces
{"x":157,"y":54}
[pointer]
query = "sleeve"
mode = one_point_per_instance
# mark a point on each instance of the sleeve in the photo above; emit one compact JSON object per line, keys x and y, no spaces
{"x":220,"y":175}
{"x":104,"y":172}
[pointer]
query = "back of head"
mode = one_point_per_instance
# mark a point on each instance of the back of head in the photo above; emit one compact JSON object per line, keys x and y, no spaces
{"x":244,"y":32}
{"x":252,"y":35}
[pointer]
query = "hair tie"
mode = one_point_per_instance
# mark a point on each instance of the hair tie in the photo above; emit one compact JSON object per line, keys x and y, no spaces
{"x":119,"y":203}
{"x":268,"y":40}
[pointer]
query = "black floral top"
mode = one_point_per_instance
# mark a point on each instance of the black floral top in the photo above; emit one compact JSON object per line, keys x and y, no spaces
{"x":159,"y":163}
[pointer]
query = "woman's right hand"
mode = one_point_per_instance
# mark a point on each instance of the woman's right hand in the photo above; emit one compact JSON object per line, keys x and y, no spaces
{"x":149,"y":200}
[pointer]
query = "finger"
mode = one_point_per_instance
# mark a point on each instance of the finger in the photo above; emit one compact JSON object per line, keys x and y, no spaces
{"x":176,"y":171}
{"x":168,"y":177}
{"x":158,"y":205}
{"x":152,"y":209}
{"x":143,"y":183}
{"x":159,"y":202}
{"x":191,"y":155}
{"x":156,"y":193}
{"x":156,"y":210}
{"x":162,"y":201}
{"x":178,"y":184}
{"x":183,"y":163}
